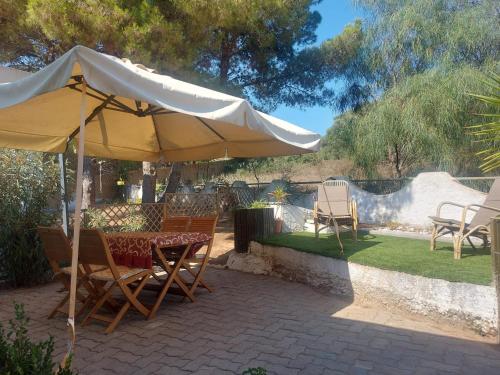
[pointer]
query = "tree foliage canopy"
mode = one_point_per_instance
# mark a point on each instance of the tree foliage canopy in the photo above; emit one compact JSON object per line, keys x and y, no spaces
{"x":419,"y":123}
{"x":413,"y":67}
{"x":28,"y":183}
{"x":261,"y":50}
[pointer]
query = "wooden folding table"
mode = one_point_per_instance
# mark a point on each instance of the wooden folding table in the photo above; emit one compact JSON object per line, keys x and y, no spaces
{"x":138,"y":249}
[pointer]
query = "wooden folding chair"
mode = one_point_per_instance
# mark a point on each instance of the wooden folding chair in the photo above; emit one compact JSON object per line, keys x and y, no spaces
{"x":57,"y":249}
{"x":172,"y":224}
{"x":94,"y":249}
{"x":203,"y":224}
{"x":175,"y":223}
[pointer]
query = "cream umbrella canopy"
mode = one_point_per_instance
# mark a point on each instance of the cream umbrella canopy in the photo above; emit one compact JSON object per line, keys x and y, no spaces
{"x":126,"y":111}
{"x":174,"y":120}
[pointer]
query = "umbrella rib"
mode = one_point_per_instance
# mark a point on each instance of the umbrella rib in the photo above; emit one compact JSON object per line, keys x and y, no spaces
{"x":157,"y":111}
{"x":114,"y":101}
{"x":209,"y":127}
{"x":94,"y":113}
{"x":156,"y":132}
{"x":151,"y":110}
{"x":118,"y":109}
{"x":73,"y":87}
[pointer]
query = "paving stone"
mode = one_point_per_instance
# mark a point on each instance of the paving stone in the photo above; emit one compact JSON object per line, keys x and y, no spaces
{"x":126,"y":357}
{"x":224,"y":364}
{"x":171,"y":370}
{"x":311,"y":370}
{"x":260,"y":321}
{"x":363,"y":364}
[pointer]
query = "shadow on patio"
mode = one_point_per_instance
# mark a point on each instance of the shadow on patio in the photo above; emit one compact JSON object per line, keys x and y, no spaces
{"x":250,"y":321}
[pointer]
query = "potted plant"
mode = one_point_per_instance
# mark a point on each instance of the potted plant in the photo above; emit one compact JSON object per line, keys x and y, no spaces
{"x":279,"y":194}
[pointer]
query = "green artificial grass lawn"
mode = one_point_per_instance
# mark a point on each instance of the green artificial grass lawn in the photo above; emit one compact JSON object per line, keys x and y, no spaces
{"x":396,"y":253}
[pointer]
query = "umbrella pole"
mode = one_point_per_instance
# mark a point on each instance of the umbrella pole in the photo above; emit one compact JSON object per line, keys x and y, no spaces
{"x":64,"y":196}
{"x":76,"y":226}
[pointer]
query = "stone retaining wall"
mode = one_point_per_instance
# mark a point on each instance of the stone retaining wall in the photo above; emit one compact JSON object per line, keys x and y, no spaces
{"x":472,"y":305}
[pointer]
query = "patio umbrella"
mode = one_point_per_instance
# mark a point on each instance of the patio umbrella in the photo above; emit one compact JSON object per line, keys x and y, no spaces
{"x":126,"y":111}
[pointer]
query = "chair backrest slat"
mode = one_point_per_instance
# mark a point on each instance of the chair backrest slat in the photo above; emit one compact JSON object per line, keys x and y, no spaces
{"x":175,"y":223}
{"x":203,"y":224}
{"x":484,"y":215}
{"x":94,"y":248}
{"x":334,"y":197}
{"x":56,"y":245}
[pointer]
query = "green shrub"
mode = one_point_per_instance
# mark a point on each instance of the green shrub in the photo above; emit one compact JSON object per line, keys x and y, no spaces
{"x":20,"y":356}
{"x":134,"y":222}
{"x":29,"y":184}
{"x":95,"y":218}
{"x":259,"y":204}
{"x":255,"y":371}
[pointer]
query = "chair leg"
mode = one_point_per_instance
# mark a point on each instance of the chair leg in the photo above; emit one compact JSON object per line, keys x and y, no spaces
{"x":173,"y":273}
{"x":132,"y":301}
{"x":86,"y":304}
{"x":433,"y":237}
{"x":354,"y":229}
{"x":132,"y":296}
{"x":99,"y":304}
{"x":336,"y":226}
{"x":58,"y":306}
{"x":198,"y":279}
{"x":470,"y":242}
{"x":111,"y":327}
{"x":99,"y":290}
{"x":79,"y":296}
{"x":457,"y":246}
{"x":316,"y":228}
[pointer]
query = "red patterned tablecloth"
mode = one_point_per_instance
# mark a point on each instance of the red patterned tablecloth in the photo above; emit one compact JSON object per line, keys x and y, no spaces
{"x":135,"y":249}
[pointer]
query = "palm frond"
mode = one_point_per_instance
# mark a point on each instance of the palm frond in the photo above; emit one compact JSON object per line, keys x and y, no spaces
{"x":489,"y":132}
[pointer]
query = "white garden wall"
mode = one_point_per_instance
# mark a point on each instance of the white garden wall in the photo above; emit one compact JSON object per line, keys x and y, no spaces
{"x":413,"y":204}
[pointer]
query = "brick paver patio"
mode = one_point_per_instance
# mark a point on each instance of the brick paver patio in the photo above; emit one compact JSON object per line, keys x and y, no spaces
{"x":252,"y":321}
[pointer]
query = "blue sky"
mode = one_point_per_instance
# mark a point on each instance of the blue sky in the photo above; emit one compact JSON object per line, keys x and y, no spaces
{"x":335,"y":15}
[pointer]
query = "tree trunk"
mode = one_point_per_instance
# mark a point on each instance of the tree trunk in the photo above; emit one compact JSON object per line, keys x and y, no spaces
{"x":397,"y":161}
{"x":225,"y":58}
{"x":394,"y":157}
{"x":148,"y":182}
{"x":88,"y":198}
{"x":173,"y":180}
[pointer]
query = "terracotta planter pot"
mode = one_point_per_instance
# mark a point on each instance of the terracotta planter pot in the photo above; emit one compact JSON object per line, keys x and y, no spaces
{"x":278,"y":226}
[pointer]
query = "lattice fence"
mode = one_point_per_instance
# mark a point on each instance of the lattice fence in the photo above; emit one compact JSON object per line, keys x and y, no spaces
{"x":232,"y":197}
{"x":226,"y":199}
{"x":191,"y":204}
{"x":148,"y":216}
{"x":244,"y":196}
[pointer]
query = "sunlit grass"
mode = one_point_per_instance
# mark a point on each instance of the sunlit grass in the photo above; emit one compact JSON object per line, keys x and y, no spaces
{"x":398,"y":254}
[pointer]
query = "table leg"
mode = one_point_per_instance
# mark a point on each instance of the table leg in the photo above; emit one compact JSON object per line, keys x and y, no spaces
{"x":178,"y":279}
{"x":172,"y":276}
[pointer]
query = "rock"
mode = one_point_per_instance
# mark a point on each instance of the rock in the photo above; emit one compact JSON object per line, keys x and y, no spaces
{"x":249,"y":263}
